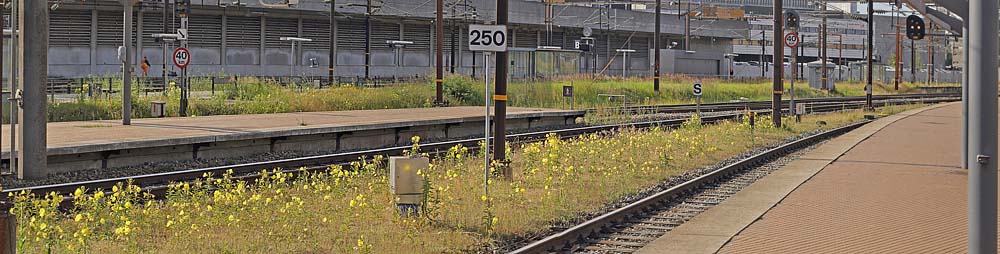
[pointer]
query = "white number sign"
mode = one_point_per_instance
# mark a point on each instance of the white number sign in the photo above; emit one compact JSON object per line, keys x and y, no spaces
{"x":488,"y":38}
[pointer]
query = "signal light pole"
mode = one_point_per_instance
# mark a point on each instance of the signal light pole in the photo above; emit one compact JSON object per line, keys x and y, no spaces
{"x":500,"y":100}
{"x":871,"y":47}
{"x":333,"y":39}
{"x":656,"y":46}
{"x":778,"y":59}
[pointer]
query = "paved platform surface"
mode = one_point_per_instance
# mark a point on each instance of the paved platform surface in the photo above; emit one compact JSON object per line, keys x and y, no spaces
{"x":893,"y":186}
{"x":112,"y":133}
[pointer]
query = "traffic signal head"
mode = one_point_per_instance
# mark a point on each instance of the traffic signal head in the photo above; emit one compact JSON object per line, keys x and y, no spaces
{"x":183,"y":7}
{"x":915,"y":29}
{"x":791,"y":20}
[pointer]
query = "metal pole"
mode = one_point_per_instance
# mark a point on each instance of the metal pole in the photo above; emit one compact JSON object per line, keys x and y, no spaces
{"x":913,"y":61}
{"x":14,"y":77}
{"x":982,"y":70}
{"x":777,"y":58}
{"x":2,"y":38}
{"x":763,"y":46}
{"x":896,"y":64}
{"x":871,"y":48}
{"x":368,"y":40}
{"x":823,"y":50}
{"x":795,"y":71}
{"x":439,"y":54}
{"x":486,"y":134}
{"x":965,"y":96}
{"x":127,"y":65}
{"x":687,"y":28}
{"x":333,"y":34}
{"x":34,"y":58}
{"x":624,"y":64}
{"x":500,"y":98}
{"x":163,"y":72}
{"x":656,"y":49}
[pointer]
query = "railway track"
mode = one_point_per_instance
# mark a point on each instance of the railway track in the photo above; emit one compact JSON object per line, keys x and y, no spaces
{"x":761,"y":105}
{"x":627,"y":229}
{"x":157,"y":183}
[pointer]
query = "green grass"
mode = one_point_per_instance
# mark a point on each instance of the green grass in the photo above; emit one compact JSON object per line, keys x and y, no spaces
{"x":253,"y":96}
{"x":351,"y":210}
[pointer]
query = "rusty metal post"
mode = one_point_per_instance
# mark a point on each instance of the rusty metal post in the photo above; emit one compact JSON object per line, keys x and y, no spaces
{"x":500,"y":100}
{"x":656,"y":49}
{"x":8,"y":236}
{"x":439,"y":55}
{"x":778,"y":57}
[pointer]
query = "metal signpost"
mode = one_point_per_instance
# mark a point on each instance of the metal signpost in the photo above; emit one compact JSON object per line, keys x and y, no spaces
{"x":697,"y":97}
{"x":182,"y":57}
{"x":568,"y":93}
{"x":487,"y":39}
{"x":792,"y":41}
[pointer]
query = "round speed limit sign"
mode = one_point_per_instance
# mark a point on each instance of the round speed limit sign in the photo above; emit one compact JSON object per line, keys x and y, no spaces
{"x":182,"y":57}
{"x":792,"y":39}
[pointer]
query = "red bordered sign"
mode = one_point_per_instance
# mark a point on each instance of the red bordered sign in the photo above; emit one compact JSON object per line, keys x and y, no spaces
{"x":182,"y":57}
{"x":792,"y":39}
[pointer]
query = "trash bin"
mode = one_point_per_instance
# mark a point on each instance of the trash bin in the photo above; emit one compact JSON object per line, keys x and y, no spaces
{"x":159,"y":109}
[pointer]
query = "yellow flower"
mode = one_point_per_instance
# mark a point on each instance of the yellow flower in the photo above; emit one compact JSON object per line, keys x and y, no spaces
{"x":78,"y":217}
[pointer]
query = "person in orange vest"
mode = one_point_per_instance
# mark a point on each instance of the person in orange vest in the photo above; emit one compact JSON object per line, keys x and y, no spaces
{"x":145,"y":66}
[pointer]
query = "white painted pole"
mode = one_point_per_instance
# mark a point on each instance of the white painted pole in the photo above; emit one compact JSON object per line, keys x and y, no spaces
{"x":486,"y":133}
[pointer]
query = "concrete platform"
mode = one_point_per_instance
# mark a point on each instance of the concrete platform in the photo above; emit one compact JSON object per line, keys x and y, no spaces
{"x":892,"y":186}
{"x":103,"y":144}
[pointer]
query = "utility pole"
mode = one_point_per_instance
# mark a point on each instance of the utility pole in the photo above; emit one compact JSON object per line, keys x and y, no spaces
{"x":439,"y":55}
{"x":34,"y":16}
{"x":871,"y":47}
{"x":656,"y":51}
{"x":823,"y":49}
{"x":15,"y":34}
{"x":777,"y":58}
{"x":982,"y":140}
{"x":913,"y":60}
{"x":840,"y":56}
{"x":127,"y":64}
{"x":333,"y":39}
{"x":500,"y":100}
{"x":897,"y":64}
{"x":687,"y":27}
{"x":166,"y":29}
{"x":763,"y":46}
{"x":368,"y":40}
{"x":930,"y":54}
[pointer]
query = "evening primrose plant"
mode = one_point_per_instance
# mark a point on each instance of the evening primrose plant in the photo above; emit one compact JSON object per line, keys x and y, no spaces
{"x":349,"y":208}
